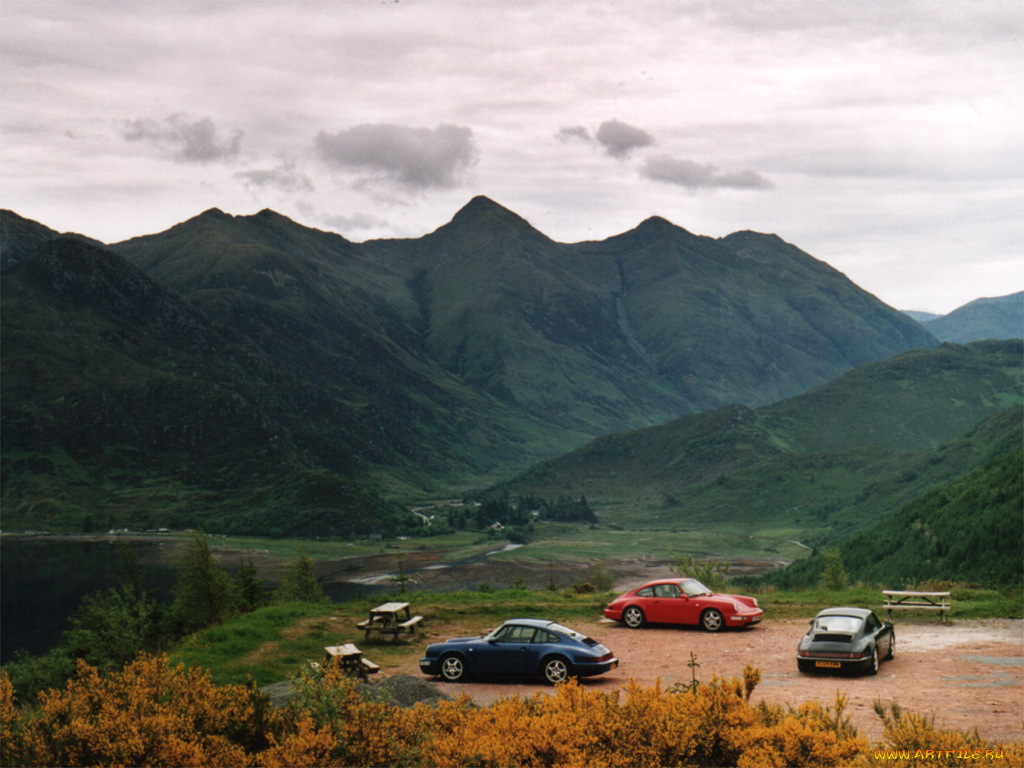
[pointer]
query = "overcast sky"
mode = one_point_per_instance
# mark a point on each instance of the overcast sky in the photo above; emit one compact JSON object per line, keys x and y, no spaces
{"x":880,"y":136}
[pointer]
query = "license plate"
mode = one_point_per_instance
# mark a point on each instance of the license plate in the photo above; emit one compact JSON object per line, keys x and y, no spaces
{"x":829,"y":664}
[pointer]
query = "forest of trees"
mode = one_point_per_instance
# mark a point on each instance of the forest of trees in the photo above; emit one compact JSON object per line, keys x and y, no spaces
{"x":516,"y":517}
{"x":969,"y":530}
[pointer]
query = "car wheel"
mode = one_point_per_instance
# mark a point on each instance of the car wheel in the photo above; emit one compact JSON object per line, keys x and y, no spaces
{"x":633,"y":617}
{"x":453,"y":669}
{"x":557,"y":670}
{"x":873,"y":668}
{"x":892,"y":647}
{"x":712,"y":620}
{"x":805,"y":666}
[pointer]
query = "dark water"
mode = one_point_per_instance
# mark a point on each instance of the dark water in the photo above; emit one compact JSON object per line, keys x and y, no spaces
{"x":43,"y":581}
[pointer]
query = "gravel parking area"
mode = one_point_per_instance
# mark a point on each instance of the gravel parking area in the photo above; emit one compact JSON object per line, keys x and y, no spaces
{"x":967,"y":674}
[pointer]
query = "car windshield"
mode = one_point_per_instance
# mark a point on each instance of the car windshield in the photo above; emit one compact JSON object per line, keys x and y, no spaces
{"x":848,"y":625}
{"x":692,"y":588}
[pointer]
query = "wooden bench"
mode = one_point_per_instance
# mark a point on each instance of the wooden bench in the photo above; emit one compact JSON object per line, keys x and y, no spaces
{"x":410,"y":624}
{"x":921,"y":601}
{"x":387,"y":619}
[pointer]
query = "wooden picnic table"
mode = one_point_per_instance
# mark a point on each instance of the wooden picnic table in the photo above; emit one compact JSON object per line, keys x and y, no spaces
{"x":351,"y":660}
{"x":929,"y":601}
{"x":390,"y":618}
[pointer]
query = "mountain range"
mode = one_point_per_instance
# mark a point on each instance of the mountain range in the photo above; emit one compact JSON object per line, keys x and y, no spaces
{"x":250,"y":374}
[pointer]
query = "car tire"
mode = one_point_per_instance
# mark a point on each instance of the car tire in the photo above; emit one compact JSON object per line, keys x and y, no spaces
{"x":892,"y":647}
{"x":557,"y":670}
{"x":873,"y":663}
{"x":453,"y":668}
{"x":712,"y":620}
{"x":805,"y":666}
{"x":633,"y":617}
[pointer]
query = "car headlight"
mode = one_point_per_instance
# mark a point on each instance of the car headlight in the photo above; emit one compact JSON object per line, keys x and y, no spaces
{"x":736,"y":606}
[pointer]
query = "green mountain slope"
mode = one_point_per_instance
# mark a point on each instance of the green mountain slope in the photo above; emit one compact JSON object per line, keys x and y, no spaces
{"x":124,"y":405}
{"x":822,"y":464}
{"x":19,"y":237}
{"x":970,"y":529}
{"x":569,"y":340}
{"x":409,"y":368}
{"x":998,"y":318}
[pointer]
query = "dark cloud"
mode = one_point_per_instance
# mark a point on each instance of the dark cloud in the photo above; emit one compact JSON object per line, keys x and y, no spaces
{"x":573,"y":133}
{"x":196,"y":142}
{"x":285,"y":177}
{"x":694,"y":175}
{"x":419,"y":158}
{"x":619,"y":139}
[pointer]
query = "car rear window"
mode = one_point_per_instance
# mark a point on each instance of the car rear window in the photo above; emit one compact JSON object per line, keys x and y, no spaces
{"x":573,"y":634}
{"x":845,"y":624}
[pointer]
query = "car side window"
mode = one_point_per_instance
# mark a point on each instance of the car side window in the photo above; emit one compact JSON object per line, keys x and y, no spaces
{"x":519,"y":635}
{"x":544,"y":637}
{"x":873,"y":623}
{"x":666,"y":590}
{"x":645,"y":592}
{"x":502,"y":635}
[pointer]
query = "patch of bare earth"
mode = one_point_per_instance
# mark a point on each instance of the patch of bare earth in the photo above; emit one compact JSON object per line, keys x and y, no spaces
{"x":966,"y":674}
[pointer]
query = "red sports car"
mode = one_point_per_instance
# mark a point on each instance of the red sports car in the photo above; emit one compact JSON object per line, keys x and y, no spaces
{"x":683,"y":601}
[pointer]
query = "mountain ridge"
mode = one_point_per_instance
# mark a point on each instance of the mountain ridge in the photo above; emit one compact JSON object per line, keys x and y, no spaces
{"x":421,"y":366}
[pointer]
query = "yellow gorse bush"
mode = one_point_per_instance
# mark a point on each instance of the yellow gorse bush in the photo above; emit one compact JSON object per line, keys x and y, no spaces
{"x":154,"y":714}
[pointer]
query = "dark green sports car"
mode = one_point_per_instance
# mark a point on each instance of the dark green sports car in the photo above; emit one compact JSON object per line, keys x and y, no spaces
{"x":846,"y":638}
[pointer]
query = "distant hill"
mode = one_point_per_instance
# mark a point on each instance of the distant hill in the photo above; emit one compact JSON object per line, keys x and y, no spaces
{"x":232,"y":366}
{"x":825,"y":463}
{"x":998,"y":318}
{"x":920,"y":316}
{"x":969,"y":529}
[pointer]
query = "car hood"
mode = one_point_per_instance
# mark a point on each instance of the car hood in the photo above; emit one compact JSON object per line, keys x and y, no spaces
{"x":748,"y":602}
{"x":460,"y":641}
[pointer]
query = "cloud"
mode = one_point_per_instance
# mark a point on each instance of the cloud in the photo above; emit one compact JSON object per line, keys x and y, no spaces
{"x":619,"y":139}
{"x":285,"y":177}
{"x":694,"y":175}
{"x":418,"y":158}
{"x":196,"y":142}
{"x":357,"y":221}
{"x":573,"y":133}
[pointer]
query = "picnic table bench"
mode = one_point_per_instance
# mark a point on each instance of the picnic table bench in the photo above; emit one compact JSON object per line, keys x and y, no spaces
{"x":390,"y":618}
{"x":926,"y":601}
{"x":351,"y":661}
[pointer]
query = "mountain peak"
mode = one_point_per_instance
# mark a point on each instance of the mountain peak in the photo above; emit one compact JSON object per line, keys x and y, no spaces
{"x":486,"y":216}
{"x":483,"y":207}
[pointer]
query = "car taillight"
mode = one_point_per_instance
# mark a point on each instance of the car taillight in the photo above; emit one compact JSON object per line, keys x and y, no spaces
{"x":607,"y":657}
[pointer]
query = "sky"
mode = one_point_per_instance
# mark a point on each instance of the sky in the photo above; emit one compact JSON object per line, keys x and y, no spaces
{"x":883,"y":137}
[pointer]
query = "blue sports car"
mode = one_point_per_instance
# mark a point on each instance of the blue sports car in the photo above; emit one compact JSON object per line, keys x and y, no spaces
{"x":519,"y":648}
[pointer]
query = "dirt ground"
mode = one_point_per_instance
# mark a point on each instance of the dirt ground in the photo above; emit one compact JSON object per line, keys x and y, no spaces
{"x":967,"y":674}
